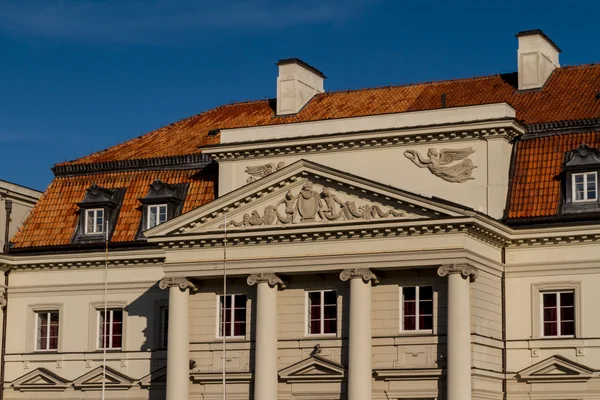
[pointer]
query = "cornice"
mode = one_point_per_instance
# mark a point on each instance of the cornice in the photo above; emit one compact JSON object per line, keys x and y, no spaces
{"x":189,"y":161}
{"x":551,"y":128}
{"x":506,"y":128}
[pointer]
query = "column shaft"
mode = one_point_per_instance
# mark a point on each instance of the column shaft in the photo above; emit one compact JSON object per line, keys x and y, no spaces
{"x":265,"y":369}
{"x":359,"y":357}
{"x":178,"y":346}
{"x":458,"y":366}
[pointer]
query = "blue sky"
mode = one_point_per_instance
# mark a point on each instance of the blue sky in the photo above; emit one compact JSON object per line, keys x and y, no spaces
{"x":77,"y":76}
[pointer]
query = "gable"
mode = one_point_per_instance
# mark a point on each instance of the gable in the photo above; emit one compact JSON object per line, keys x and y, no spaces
{"x":40,"y":379}
{"x":314,"y":368}
{"x":556,"y":368}
{"x":306,"y":194}
{"x":94,"y":379}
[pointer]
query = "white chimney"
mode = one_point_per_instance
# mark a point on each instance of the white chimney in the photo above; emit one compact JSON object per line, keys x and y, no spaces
{"x":297,"y":83}
{"x":538,"y":57}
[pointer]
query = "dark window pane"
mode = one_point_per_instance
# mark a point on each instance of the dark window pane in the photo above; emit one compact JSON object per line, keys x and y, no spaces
{"x":315,"y":326}
{"x":330,"y":297}
{"x":409,"y":293}
{"x":315,"y":312}
{"x":240,"y":301}
{"x":330,"y":312}
{"x":549,"y":299}
{"x":426,"y":293}
{"x":116,"y":329}
{"x":239,"y":329}
{"x":567,"y":328}
{"x":240,"y":315}
{"x":549,"y":314}
{"x":116,"y":342}
{"x":410,"y":308}
{"x":330,"y":326}
{"x":426,"y":322}
{"x":314,"y":298}
{"x":567,"y":299}
{"x":410,"y":323}
{"x":118,"y":315}
{"x":550,"y":329}
{"x":426,"y":307}
{"x":567,"y":313}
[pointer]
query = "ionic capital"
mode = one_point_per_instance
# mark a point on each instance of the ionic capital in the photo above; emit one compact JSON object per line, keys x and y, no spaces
{"x":364,"y":274}
{"x":465,"y":270}
{"x":272,"y":279}
{"x":183,"y":283}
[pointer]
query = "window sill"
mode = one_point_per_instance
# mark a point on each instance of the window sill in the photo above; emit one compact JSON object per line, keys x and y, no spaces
{"x":416,"y":332}
{"x":318,"y":335}
{"x":232,"y":338}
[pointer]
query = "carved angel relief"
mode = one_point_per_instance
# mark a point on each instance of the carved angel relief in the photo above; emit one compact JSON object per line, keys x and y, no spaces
{"x":309,"y":206}
{"x":459,"y":173}
{"x":260,"y":171}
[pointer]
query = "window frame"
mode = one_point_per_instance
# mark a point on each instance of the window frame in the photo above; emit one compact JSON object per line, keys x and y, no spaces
{"x":37,"y":314}
{"x":585,"y":189}
{"x":31,"y":333}
{"x":149,"y":208}
{"x":94,"y":325}
{"x":537,"y":290}
{"x":417,"y":306}
{"x":307,"y":333}
{"x":219,"y":335}
{"x":85,"y":221}
{"x":557,"y":293}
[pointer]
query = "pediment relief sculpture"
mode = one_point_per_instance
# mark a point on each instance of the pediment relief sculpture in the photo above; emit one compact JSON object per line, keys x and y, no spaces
{"x":260,"y":171}
{"x":310,"y":205}
{"x":436,"y":163}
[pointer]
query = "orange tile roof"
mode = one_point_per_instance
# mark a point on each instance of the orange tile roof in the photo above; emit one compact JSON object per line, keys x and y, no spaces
{"x":569,"y":94}
{"x":53,"y":220}
{"x":535,"y":189}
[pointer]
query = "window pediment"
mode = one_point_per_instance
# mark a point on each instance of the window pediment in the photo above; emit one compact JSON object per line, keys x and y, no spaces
{"x":582,"y":156}
{"x":161,"y":192}
{"x":40,"y":379}
{"x":96,"y":196}
{"x":556,"y":369}
{"x":314,"y":368}
{"x":94,"y":379}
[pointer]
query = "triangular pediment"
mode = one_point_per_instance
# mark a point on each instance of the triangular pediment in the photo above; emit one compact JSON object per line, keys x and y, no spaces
{"x":314,"y":368}
{"x":556,"y":368}
{"x":40,"y":379}
{"x":94,"y":380}
{"x":155,"y":378}
{"x":306,"y":194}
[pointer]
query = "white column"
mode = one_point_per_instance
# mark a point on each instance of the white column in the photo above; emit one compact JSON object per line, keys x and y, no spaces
{"x":265,"y":354}
{"x":178,"y":346}
{"x":458,"y":365}
{"x":359,"y":353}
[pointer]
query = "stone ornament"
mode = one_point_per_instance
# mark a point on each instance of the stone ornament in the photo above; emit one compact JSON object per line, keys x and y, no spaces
{"x":465,"y":270}
{"x":310,"y":206}
{"x":183,"y":283}
{"x":365,"y":274}
{"x":260,"y":171}
{"x":271,"y":279}
{"x":458,"y":173}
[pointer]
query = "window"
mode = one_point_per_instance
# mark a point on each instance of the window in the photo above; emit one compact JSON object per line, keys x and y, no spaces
{"x":322,"y":312}
{"x":94,"y":221}
{"x":232,"y":314}
{"x":417,"y":308}
{"x":558,"y":313}
{"x":164,"y":327}
{"x":110,"y":329}
{"x":156,"y":215}
{"x":46,"y":330}
{"x":584,"y":186}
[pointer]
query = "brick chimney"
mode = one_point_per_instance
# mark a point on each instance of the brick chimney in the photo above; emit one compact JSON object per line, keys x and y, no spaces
{"x":538,"y":57}
{"x":297,"y":83}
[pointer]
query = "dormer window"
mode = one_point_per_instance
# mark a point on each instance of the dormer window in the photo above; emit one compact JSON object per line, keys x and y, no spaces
{"x":98,"y":213}
{"x":156,"y":215}
{"x":94,"y":221}
{"x":580,"y":181}
{"x":162,"y":203}
{"x":585,"y":186}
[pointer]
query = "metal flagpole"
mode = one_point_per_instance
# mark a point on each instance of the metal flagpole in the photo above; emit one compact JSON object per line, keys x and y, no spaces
{"x":104,"y":328}
{"x":223,"y":319}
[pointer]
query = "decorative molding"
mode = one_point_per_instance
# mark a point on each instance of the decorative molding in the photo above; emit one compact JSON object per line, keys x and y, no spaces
{"x":408,"y":374}
{"x":112,"y":379}
{"x":313,"y":369}
{"x":436,"y":162}
{"x":260,"y":171}
{"x":271,"y":279}
{"x":556,"y":369}
{"x":40,"y":379}
{"x":155,"y":379}
{"x":364,"y":274}
{"x":182,"y":283}
{"x":190,"y":161}
{"x":309,"y":205}
{"x":582,"y":156}
{"x":465,"y":270}
{"x":217,"y":377}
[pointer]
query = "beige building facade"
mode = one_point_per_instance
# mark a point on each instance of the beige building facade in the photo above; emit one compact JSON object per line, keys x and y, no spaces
{"x":433,"y":241}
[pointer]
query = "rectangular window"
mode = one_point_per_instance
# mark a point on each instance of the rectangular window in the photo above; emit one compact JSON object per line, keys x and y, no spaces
{"x":110,"y":329}
{"x":156,"y":215}
{"x":232,"y":314}
{"x":164,"y":327}
{"x":558,"y":313}
{"x":417,"y":308}
{"x":322,"y":312}
{"x":94,"y":221}
{"x":585,"y":186}
{"x":47,"y":330}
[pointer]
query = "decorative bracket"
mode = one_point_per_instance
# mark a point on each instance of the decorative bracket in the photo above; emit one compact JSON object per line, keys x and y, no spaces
{"x":365,"y":274}
{"x":183,"y":283}
{"x":465,"y":270}
{"x":272,"y":279}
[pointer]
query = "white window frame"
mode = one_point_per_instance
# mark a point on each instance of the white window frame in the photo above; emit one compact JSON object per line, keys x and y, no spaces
{"x":558,"y":319}
{"x":36,"y":337}
{"x":157,"y":207}
{"x":110,"y":335}
{"x":585,"y":182}
{"x":307,"y":312}
{"x":95,"y":214}
{"x":163,"y":333}
{"x":232,"y":316}
{"x":417,"y":309}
